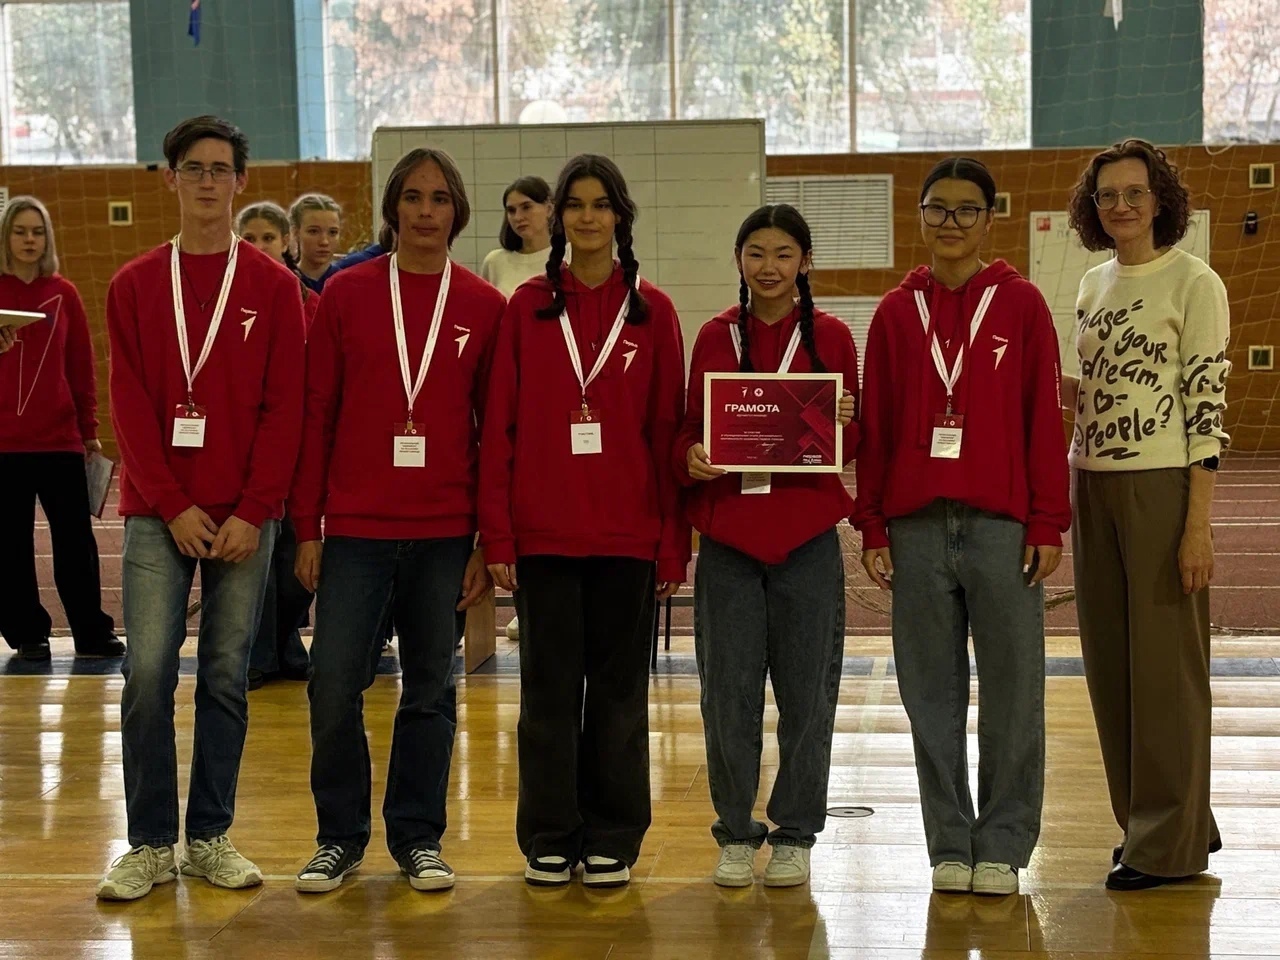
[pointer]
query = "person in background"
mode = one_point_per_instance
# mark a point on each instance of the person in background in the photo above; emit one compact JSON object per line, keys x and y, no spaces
{"x":585,"y":398}
{"x":769,"y":593}
{"x":962,"y":500}
{"x":385,"y":243}
{"x":278,"y":651}
{"x":48,"y":426}
{"x":207,"y":366}
{"x":316,"y":222}
{"x":1153,"y":324}
{"x":524,"y":240}
{"x":397,"y":366}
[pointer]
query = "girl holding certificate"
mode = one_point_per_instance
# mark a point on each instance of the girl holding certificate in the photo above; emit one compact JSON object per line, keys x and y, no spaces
{"x":48,"y":425}
{"x":962,"y":503}
{"x":579,"y":517}
{"x":769,"y":594}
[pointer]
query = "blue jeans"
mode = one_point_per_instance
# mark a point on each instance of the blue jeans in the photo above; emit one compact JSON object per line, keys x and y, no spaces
{"x":956,"y":568}
{"x":157,"y":585}
{"x":784,"y":621}
{"x":361,"y":580}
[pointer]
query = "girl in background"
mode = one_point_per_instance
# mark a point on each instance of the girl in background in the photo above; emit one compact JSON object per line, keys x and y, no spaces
{"x":962,"y":503}
{"x":525,"y":236}
{"x":48,"y":426}
{"x":769,"y":596}
{"x":316,"y":222}
{"x":579,"y":517}
{"x":266,"y":226}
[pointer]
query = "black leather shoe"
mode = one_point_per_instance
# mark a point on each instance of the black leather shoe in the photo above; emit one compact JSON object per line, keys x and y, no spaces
{"x":1127,"y":879}
{"x":1118,"y":852}
{"x":105,"y":649}
{"x":35,"y":651}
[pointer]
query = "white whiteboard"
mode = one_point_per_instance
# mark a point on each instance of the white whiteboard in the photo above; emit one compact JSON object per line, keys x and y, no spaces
{"x":1059,"y":263}
{"x":694,"y":183}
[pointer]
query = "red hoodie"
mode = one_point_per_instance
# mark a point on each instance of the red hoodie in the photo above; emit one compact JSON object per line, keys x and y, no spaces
{"x":799,"y":506}
{"x":1013,"y":454}
{"x":251,"y":386}
{"x":48,"y":391}
{"x":355,"y":399}
{"x":536,"y":495}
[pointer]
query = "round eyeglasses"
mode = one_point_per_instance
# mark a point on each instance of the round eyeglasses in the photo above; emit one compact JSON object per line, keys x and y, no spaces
{"x":936,"y":215}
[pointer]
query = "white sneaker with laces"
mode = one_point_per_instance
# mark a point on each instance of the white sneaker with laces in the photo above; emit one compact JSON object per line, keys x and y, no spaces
{"x":133,"y":875}
{"x":788,"y":866}
{"x":995,"y":879}
{"x":952,"y":876}
{"x":426,"y":870}
{"x":220,"y":863}
{"x":737,"y":866}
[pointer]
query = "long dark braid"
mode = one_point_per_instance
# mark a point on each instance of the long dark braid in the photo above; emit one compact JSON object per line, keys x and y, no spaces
{"x":554,"y":261}
{"x":638,"y":309}
{"x":806,"y":323}
{"x":744,"y":321}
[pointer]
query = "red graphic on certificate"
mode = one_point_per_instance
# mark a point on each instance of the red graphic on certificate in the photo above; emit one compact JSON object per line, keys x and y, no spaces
{"x":783,"y":423}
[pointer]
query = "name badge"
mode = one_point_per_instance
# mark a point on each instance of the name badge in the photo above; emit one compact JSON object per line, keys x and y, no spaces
{"x":188,"y":426}
{"x":948,"y":432}
{"x":584,"y":432}
{"x":753,"y":483}
{"x":408,"y":447}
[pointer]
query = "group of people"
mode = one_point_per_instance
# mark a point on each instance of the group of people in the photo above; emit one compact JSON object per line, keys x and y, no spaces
{"x":433,"y":431}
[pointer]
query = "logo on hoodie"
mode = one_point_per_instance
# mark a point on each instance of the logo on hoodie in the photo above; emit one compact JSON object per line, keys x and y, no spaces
{"x":247,"y":322}
{"x":629,"y":355}
{"x":462,"y":340}
{"x":999,"y":351}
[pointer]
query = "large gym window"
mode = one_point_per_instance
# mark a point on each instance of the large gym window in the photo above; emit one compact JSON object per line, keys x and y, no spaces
{"x":1241,"y":71}
{"x":67,"y":91}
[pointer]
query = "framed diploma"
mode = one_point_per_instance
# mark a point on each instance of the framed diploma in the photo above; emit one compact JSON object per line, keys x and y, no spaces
{"x":773,"y":422}
{"x":17,"y":319}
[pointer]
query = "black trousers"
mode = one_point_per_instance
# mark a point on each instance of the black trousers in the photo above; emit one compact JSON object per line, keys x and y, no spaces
{"x":58,"y":480}
{"x":586,"y":626}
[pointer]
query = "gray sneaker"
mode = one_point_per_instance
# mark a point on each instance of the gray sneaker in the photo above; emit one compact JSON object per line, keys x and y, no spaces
{"x":218,"y":862}
{"x":133,"y":875}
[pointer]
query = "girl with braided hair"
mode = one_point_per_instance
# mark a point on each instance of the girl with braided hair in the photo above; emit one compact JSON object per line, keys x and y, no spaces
{"x":579,"y":517}
{"x":769,"y":594}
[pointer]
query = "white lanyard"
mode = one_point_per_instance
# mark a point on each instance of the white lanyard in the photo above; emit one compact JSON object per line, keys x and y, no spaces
{"x":572,"y":343}
{"x":949,"y":380}
{"x":787,"y":357}
{"x":180,"y":312}
{"x":411,"y":390}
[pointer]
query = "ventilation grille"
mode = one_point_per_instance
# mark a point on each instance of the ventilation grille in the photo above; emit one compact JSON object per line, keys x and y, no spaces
{"x":851,"y":217}
{"x":856,"y":312}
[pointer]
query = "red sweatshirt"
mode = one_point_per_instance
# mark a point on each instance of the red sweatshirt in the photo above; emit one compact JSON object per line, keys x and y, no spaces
{"x":356,"y":397}
{"x":536,"y":495}
{"x":799,"y":506}
{"x":1013,"y":454}
{"x":48,"y":391}
{"x":251,"y":386}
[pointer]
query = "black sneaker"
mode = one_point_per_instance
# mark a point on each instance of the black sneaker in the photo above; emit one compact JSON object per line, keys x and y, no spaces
{"x":328,"y":868}
{"x":605,"y":872}
{"x":425,"y":869}
{"x":547,"y":872}
{"x":38,"y":651}
{"x":257,"y":679}
{"x":108,"y":648}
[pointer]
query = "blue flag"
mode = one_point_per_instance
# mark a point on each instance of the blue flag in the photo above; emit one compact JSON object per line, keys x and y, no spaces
{"x":193,"y":25}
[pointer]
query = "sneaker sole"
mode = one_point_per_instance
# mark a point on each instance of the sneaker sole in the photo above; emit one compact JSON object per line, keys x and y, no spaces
{"x":545,"y":878}
{"x":432,"y":884}
{"x":325,"y":886}
{"x":191,"y":870}
{"x":987,"y":891}
{"x":785,"y":882}
{"x":953,"y":888}
{"x":601,"y":881}
{"x":720,"y":881}
{"x":103,"y":894}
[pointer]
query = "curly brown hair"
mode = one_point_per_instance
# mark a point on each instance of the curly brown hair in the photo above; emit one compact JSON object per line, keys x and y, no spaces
{"x":1173,"y":202}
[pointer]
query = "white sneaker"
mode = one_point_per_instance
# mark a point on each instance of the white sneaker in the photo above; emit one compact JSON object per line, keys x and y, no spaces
{"x":788,"y":866}
{"x":737,"y":866}
{"x":995,"y":879}
{"x":220,"y":863}
{"x":513,"y":630}
{"x":134,"y":874}
{"x":426,"y":870}
{"x":952,"y":876}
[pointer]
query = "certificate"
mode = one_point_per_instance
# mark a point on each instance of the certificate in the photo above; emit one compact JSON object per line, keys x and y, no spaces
{"x":773,"y":422}
{"x":17,"y":319}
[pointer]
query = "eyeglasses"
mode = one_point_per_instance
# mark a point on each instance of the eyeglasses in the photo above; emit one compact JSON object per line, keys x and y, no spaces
{"x":195,"y":173}
{"x":936,"y":215}
{"x":1133,"y":197}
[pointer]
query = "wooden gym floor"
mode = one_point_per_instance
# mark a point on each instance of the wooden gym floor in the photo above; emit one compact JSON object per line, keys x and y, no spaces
{"x":62,"y":821}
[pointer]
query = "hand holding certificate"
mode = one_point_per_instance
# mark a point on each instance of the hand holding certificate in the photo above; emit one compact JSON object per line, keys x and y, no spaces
{"x":774,"y":422}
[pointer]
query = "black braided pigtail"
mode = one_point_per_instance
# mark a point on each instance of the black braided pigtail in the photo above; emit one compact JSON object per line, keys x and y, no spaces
{"x":744,"y":320}
{"x":554,"y":260}
{"x":638,"y":311}
{"x":806,"y":323}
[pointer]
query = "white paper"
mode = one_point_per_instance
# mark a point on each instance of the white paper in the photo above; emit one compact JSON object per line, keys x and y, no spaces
{"x":756,"y":483}
{"x":188,"y":432}
{"x":410,"y":452}
{"x":946,"y":443}
{"x":585,"y":438}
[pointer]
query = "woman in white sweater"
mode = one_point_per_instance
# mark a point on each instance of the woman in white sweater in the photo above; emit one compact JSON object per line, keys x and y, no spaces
{"x":1149,"y":400}
{"x":525,"y":236}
